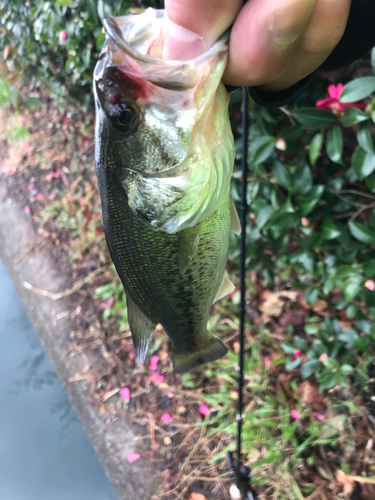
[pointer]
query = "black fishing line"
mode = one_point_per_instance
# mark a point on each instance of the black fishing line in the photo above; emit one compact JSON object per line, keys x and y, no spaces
{"x":245,"y":135}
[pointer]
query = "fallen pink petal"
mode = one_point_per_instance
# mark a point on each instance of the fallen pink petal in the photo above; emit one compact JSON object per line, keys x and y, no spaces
{"x":166,"y":418}
{"x":295,"y":414}
{"x":132,"y":457}
{"x":32,"y":160}
{"x":370,"y":284}
{"x":125,"y":394}
{"x":56,"y":175}
{"x":297,"y":353}
{"x":86,"y":143}
{"x":323,"y":356}
{"x":30,"y":187}
{"x":22,"y":121}
{"x":26,"y":209}
{"x":153,"y":363}
{"x":52,"y":196}
{"x":318,"y":416}
{"x":27,"y":145}
{"x":204,"y":410}
{"x":40,"y":196}
{"x":155,"y":377}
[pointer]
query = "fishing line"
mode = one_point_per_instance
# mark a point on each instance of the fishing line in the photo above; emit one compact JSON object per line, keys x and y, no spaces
{"x":244,"y":491}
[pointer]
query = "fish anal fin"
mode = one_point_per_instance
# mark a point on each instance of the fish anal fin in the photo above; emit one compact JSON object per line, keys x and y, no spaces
{"x":142,"y":329}
{"x":213,"y":350}
{"x":187,"y":244}
{"x":235,"y":224}
{"x":226,"y":286}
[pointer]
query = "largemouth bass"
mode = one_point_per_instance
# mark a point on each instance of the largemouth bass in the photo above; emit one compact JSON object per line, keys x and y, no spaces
{"x":164,"y":157}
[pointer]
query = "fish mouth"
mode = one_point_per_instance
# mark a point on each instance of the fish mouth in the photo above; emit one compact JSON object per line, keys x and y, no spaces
{"x":130,"y":34}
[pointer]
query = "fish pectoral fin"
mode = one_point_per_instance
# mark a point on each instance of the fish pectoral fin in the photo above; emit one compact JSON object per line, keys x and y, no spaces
{"x":226,"y":286}
{"x":142,"y":329}
{"x":149,"y":198}
{"x":187,"y":244}
{"x":211,"y":350}
{"x":235,"y":224}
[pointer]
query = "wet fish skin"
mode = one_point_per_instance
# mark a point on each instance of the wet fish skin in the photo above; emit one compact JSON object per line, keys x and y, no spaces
{"x":171,"y":276}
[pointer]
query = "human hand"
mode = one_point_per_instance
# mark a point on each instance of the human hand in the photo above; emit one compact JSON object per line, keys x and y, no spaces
{"x":273,"y":43}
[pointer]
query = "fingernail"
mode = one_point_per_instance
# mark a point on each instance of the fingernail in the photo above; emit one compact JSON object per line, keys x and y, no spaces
{"x":287,"y":24}
{"x":181,"y":43}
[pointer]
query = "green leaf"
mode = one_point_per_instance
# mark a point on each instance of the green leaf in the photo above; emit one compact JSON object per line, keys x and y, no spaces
{"x":65,"y":3}
{"x":362,"y":233}
{"x":285,"y":220}
{"x":334,"y":144}
{"x":363,"y":163}
{"x":32,"y":102}
{"x":282,"y":175}
{"x":310,"y":199}
{"x":264,"y":215}
{"x":302,"y":180}
{"x":311,"y":295}
{"x":353,"y":115}
{"x":309,"y":367}
{"x":370,"y":182}
{"x":364,"y":138}
{"x":313,"y":117}
{"x":329,"y":230}
{"x":373,"y":59}
{"x":352,"y":288}
{"x":291,"y":133}
{"x":358,"y":89}
{"x":261,"y":149}
{"x":291,"y":365}
{"x":315,"y":147}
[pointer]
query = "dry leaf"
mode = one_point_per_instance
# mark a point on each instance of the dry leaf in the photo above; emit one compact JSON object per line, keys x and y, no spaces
{"x":274,"y":301}
{"x":13,"y":161}
{"x":311,"y":395}
{"x":294,"y":317}
{"x":197,"y":496}
{"x":346,"y":481}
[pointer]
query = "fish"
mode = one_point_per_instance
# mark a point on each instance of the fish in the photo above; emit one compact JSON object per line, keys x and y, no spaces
{"x":164,"y":157}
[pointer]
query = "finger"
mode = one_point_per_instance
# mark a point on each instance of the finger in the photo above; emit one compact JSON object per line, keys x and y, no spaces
{"x":265,"y":35}
{"x":195,"y":25}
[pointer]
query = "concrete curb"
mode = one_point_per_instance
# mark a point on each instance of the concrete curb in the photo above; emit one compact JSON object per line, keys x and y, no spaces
{"x":112,"y":441}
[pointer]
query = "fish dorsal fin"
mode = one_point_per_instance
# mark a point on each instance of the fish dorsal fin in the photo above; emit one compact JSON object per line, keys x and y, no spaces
{"x":235,"y":224}
{"x":142,"y":329}
{"x":187,"y":244}
{"x":226,"y":286}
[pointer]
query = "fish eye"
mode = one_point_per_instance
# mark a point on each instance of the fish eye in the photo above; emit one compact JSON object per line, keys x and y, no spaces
{"x":124,"y":117}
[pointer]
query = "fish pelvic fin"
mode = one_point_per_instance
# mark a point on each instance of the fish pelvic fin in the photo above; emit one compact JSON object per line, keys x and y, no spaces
{"x":142,"y":329}
{"x":187,"y":244}
{"x":226,"y":286}
{"x":212,"y":350}
{"x":235,"y":224}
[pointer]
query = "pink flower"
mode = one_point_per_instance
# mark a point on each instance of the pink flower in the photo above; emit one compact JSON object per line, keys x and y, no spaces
{"x":370,"y":284}
{"x":63,"y":36}
{"x":318,"y":415}
{"x":132,"y":457}
{"x":86,"y":143}
{"x":166,"y":418}
{"x":332,"y":103}
{"x":26,"y":209}
{"x":40,"y":196}
{"x":155,"y":377}
{"x":295,"y":414}
{"x":22,"y":121}
{"x":125,"y":394}
{"x":30,"y":187}
{"x":56,"y":174}
{"x":204,"y":410}
{"x":153,"y":363}
{"x":297,"y":353}
{"x":304,"y":221}
{"x":52,"y":196}
{"x":323,"y":356}
{"x":363,"y":334}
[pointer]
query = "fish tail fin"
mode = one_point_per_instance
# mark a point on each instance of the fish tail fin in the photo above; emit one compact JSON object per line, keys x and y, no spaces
{"x":212,"y":350}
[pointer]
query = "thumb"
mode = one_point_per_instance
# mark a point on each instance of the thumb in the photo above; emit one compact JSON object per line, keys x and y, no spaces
{"x":193,"y":26}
